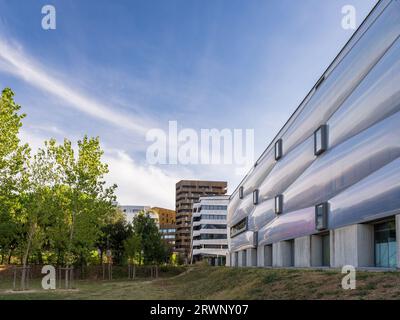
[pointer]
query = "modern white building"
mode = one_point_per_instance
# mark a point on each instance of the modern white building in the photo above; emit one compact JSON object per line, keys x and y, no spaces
{"x":209,"y":231}
{"x":326,"y":191}
{"x":132,"y":211}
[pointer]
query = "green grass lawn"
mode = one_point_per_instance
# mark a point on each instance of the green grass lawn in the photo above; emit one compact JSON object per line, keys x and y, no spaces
{"x":201,"y":282}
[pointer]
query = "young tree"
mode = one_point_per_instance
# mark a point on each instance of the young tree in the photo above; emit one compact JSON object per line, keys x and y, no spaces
{"x":37,"y":199}
{"x":13,"y":161}
{"x":114,"y":234}
{"x":152,"y":245}
{"x":133,"y":247}
{"x":89,"y":202}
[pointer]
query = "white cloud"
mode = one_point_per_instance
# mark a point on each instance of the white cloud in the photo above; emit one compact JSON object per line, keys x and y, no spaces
{"x":138,"y":184}
{"x":15,"y":62}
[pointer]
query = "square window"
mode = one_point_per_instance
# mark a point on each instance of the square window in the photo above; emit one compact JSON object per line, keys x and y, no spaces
{"x":241,"y":192}
{"x":278,"y":204}
{"x":255,"y":197}
{"x":321,"y":216}
{"x":278,"y":149}
{"x":320,"y":139}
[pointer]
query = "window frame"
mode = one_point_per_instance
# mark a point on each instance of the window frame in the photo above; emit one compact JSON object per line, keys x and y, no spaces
{"x":278,"y":204}
{"x":239,"y":231}
{"x":241,"y":192}
{"x":255,"y":197}
{"x":324,"y":139}
{"x":278,"y":149}
{"x":325,"y":209}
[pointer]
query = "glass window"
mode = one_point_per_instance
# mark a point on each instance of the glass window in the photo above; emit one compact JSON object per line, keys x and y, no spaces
{"x":241,"y":192}
{"x":278,"y":204}
{"x":321,"y":216}
{"x":213,"y":226}
{"x":255,"y":197}
{"x":207,"y":236}
{"x":278,"y":149}
{"x":239,"y":227}
{"x":214,"y":207}
{"x":385,"y":245}
{"x":320,"y":140}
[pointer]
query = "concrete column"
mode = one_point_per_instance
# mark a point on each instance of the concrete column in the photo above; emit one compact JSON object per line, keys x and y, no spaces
{"x":236,"y":259}
{"x":282,"y":254}
{"x":251,"y":256}
{"x":398,"y":239}
{"x":268,"y":255}
{"x":240,"y":258}
{"x":302,"y":252}
{"x":353,"y":245}
{"x":275,"y":255}
{"x":228,"y":260}
{"x":316,"y":251}
{"x":332,"y":247}
{"x":260,"y":256}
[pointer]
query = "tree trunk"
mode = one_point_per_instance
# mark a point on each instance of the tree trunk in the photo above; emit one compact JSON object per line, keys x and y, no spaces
{"x":40,"y":257}
{"x":26,"y":255}
{"x":10,"y":256}
{"x":71,"y":235}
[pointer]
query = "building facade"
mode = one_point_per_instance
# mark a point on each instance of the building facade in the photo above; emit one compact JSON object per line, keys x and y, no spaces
{"x":132,"y":211}
{"x":188,"y":192}
{"x":209,"y":231}
{"x":326,"y":191}
{"x":167,"y":222}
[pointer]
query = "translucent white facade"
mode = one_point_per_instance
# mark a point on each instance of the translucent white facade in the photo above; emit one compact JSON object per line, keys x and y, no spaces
{"x":331,"y":177}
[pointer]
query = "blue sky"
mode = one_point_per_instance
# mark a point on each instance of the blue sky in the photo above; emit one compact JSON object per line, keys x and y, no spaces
{"x":115,"y":69}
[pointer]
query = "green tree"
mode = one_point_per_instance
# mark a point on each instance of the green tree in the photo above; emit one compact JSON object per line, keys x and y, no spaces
{"x":114,"y":234}
{"x":13,"y":164}
{"x":88,"y":201}
{"x":37,"y":199}
{"x":152,"y":246}
{"x":133,"y":247}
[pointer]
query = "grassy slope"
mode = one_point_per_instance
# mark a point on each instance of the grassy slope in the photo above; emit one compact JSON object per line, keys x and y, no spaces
{"x":226,"y":283}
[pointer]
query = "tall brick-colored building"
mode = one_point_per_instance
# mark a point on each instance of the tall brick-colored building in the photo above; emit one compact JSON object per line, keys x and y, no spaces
{"x":188,"y":192}
{"x":167,"y":222}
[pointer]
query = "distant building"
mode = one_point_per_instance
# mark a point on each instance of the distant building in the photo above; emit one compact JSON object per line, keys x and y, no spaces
{"x":187,"y":193}
{"x":132,"y":211}
{"x":167,"y":222}
{"x":209,"y":230}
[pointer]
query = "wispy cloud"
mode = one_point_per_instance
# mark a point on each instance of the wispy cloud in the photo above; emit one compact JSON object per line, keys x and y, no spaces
{"x":14,"y":61}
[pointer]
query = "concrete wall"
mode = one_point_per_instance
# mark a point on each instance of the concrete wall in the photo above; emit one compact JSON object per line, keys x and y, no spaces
{"x":251,"y":255}
{"x":282,"y":254}
{"x":353,"y":245}
{"x":316,"y":251}
{"x":302,"y":252}
{"x":242,"y":258}
{"x":264,"y":256}
{"x":260,"y":256}
{"x":268,"y":255}
{"x":228,"y":260}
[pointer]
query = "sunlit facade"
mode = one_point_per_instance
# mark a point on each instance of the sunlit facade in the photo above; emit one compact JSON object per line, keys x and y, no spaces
{"x":209,"y":231}
{"x":326,"y":191}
